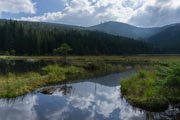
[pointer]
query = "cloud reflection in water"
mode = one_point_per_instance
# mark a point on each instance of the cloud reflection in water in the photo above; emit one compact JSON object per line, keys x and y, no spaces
{"x":94,"y":99}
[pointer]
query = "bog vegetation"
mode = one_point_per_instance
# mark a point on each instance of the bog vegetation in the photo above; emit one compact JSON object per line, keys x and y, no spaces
{"x":15,"y":84}
{"x":154,"y":89}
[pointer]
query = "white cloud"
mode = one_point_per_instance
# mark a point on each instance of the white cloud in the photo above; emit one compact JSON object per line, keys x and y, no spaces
{"x":45,"y":17}
{"x":21,"y":108}
{"x":157,"y":13}
{"x":88,"y":12}
{"x":95,"y":100}
{"x":137,"y":12}
{"x":17,"y":6}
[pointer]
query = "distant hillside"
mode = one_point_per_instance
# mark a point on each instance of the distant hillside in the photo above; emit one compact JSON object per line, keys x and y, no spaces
{"x":122,"y":29}
{"x":45,"y":24}
{"x":33,"y":38}
{"x":168,"y":39}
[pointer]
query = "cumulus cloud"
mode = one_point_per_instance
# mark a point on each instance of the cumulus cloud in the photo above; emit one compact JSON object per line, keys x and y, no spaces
{"x":87,"y":101}
{"x":96,"y":100}
{"x":88,"y":12}
{"x":21,"y":108}
{"x":157,"y":13}
{"x":54,"y":16}
{"x":144,"y":13}
{"x":17,"y":6}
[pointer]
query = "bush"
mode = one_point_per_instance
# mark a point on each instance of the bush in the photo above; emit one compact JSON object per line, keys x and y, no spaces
{"x":140,"y":90}
{"x":55,"y":72}
{"x":173,"y":77}
{"x":61,"y":73}
{"x":142,"y":74}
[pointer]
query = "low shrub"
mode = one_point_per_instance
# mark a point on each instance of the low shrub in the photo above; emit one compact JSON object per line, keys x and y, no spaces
{"x":153,"y":90}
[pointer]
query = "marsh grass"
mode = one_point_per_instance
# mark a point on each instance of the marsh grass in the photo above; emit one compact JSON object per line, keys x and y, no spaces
{"x":153,"y":89}
{"x":12,"y":85}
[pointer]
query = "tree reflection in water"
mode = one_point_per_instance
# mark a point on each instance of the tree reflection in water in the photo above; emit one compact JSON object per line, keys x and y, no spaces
{"x":64,"y":89}
{"x":91,"y":99}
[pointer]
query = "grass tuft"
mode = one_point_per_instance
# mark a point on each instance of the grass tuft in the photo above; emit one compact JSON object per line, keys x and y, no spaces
{"x":153,"y":89}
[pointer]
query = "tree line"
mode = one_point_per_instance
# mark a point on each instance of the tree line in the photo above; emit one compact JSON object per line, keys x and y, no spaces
{"x":21,"y":38}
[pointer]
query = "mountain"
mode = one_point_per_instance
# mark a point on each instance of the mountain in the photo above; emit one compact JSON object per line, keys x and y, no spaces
{"x":125,"y":30}
{"x":44,"y":24}
{"x":168,"y":39}
{"x":87,"y":40}
{"x":34,"y":38}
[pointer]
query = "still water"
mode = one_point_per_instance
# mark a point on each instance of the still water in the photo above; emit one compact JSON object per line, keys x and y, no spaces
{"x":90,"y":99}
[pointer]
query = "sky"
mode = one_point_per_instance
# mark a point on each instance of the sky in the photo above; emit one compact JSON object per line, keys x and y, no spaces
{"x":142,"y":13}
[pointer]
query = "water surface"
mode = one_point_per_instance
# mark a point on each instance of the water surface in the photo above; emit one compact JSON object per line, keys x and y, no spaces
{"x":90,"y":99}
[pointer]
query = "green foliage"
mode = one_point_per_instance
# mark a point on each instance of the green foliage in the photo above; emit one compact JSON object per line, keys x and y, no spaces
{"x":173,"y":76}
{"x":72,"y":70}
{"x":170,"y":74}
{"x":34,"y":39}
{"x":55,"y":72}
{"x":151,"y":90}
{"x":60,"y":73}
{"x":142,"y":74}
{"x":63,"y":49}
{"x":163,"y":71}
{"x":15,"y":84}
{"x":93,"y":66}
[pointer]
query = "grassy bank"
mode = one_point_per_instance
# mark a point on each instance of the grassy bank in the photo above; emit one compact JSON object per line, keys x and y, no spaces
{"x":12,"y":85}
{"x":124,"y":59}
{"x":153,"y":89}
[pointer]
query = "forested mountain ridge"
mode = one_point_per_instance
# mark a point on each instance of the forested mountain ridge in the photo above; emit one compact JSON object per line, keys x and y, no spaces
{"x":28,"y":38}
{"x":126,"y":30}
{"x":168,"y":39}
{"x":130,"y":31}
{"x":43,"y":24}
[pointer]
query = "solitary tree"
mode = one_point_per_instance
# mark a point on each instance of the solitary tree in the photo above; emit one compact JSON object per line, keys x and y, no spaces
{"x":64,"y":49}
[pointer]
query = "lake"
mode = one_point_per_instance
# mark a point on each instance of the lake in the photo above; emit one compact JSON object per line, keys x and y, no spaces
{"x":90,"y":99}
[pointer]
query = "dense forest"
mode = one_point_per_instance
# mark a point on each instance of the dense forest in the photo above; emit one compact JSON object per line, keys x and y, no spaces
{"x":168,"y":39}
{"x":23,"y":38}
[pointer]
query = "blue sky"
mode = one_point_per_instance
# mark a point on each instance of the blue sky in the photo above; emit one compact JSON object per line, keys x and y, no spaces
{"x":144,"y":13}
{"x":41,"y":6}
